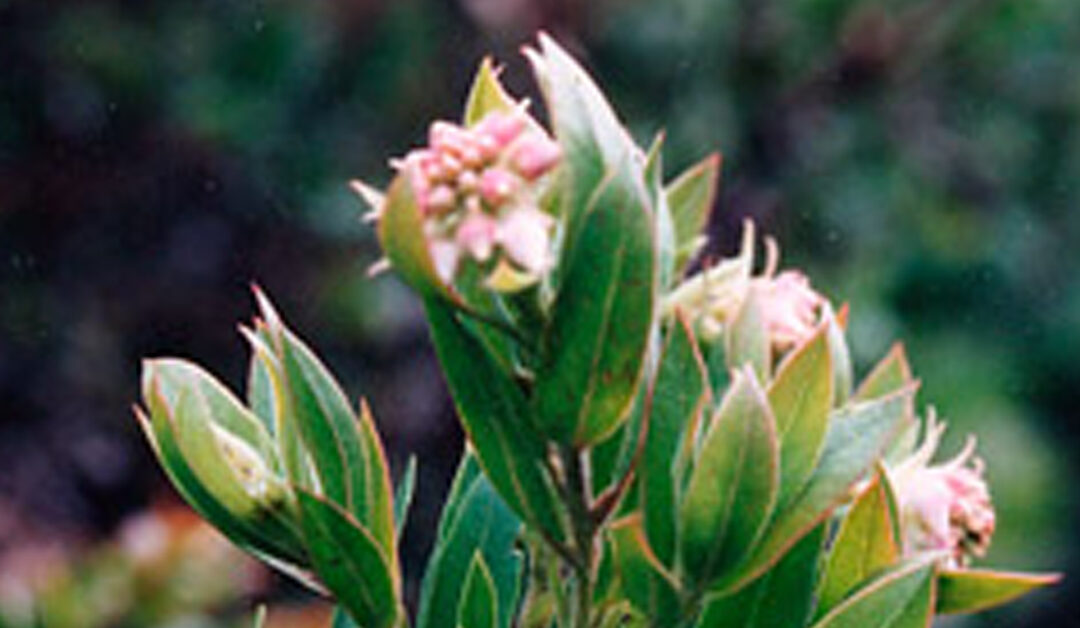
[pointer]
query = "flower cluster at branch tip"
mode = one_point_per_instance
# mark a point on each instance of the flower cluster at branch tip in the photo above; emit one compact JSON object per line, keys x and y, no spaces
{"x":790,"y":308}
{"x":478,"y":191}
{"x":944,"y":507}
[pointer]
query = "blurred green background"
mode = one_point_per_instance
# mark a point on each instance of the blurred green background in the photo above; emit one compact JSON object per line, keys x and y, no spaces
{"x":921,"y":158}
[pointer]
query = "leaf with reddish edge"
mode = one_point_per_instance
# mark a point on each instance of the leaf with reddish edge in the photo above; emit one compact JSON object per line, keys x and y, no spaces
{"x":487,"y":95}
{"x":350,"y":562}
{"x":974,"y":590}
{"x":496,"y":417}
{"x":691,"y":196}
{"x":865,"y":545}
{"x":643,"y":580}
{"x":732,"y":489}
{"x":593,"y":350}
{"x":801,"y":397}
{"x":902,"y":598}
{"x":841,"y":356}
{"x":782,"y":598}
{"x":677,"y":397}
{"x":401,"y":233}
{"x":856,"y":437}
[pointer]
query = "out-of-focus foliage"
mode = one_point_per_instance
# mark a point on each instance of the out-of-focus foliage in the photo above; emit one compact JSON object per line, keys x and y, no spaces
{"x":920,"y":157}
{"x":165,"y":567}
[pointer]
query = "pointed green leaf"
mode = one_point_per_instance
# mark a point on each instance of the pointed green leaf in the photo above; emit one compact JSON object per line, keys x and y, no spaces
{"x":345,"y":451}
{"x":160,"y":429}
{"x":497,"y":419}
{"x":782,"y":598}
{"x":475,"y":522}
{"x":678,"y":395}
{"x":478,"y":607}
{"x":841,"y":357}
{"x":487,"y":95}
{"x":733,"y":487}
{"x":892,"y":373}
{"x":401,"y":234}
{"x":643,"y":580}
{"x":593,"y":350}
{"x":974,"y":590}
{"x":801,"y":397}
{"x":593,"y":141}
{"x":403,"y":496}
{"x":864,"y":547}
{"x":219,"y":457}
{"x":350,"y":562}
{"x":903,"y":598}
{"x":691,"y":197}
{"x":746,"y":340}
{"x":664,"y":223}
{"x":855,"y":439}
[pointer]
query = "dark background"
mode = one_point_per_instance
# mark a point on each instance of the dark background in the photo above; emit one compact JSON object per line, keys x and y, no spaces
{"x":920,"y":158}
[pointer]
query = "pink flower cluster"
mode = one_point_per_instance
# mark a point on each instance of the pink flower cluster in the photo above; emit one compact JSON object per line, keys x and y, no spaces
{"x":790,"y":307}
{"x":944,"y":507}
{"x":477,"y":188}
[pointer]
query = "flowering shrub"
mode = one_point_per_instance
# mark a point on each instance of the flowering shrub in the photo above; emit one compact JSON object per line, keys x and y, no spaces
{"x":644,"y":449}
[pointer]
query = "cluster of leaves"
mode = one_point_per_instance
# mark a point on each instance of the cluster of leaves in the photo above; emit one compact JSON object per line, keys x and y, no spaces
{"x":620,"y":471}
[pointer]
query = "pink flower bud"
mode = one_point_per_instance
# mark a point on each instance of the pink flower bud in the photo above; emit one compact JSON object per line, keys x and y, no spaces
{"x":497,"y":186}
{"x":476,"y":235}
{"x":790,"y":307}
{"x":439,"y":200}
{"x":535,"y":156}
{"x":500,"y":128}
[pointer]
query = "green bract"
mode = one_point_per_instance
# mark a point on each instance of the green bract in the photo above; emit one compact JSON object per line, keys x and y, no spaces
{"x":644,"y":449}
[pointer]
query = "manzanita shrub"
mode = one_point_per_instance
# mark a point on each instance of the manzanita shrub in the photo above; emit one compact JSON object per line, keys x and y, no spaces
{"x":644,"y":449}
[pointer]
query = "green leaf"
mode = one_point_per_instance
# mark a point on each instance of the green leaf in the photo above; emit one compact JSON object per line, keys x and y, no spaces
{"x":478,"y":607}
{"x":403,"y":496}
{"x":903,"y":598}
{"x":475,"y":522}
{"x":677,"y":397}
{"x":171,"y":376}
{"x":974,"y":590}
{"x":691,"y":197}
{"x":642,"y":579}
{"x":782,"y":598}
{"x":487,"y":95}
{"x":746,"y":340}
{"x":401,"y":234}
{"x":593,"y":141}
{"x":344,"y":448}
{"x":890,"y":374}
{"x":350,"y":562}
{"x":594,"y":348}
{"x":801,"y":397}
{"x":664,"y":223}
{"x":497,"y":420}
{"x":841,"y":357}
{"x":855,"y":439}
{"x":238,"y":491}
{"x":733,"y":487}
{"x":716,"y":364}
{"x":865,"y":545}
